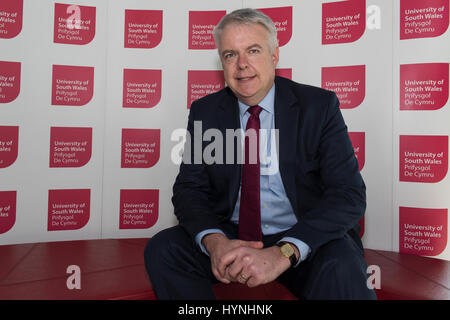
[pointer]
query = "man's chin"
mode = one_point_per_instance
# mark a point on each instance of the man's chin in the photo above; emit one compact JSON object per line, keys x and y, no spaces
{"x":249,"y":99}
{"x":246,"y":93}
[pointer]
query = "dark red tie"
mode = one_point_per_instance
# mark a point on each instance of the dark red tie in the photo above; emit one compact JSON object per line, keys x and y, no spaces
{"x":250,"y":205}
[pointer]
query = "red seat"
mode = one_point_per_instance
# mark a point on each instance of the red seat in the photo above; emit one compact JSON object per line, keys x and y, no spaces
{"x":410,"y":277}
{"x":236,"y":291}
{"x":113,"y":269}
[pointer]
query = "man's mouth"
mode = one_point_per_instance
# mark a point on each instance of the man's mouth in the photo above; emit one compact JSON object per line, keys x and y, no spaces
{"x":245,"y":78}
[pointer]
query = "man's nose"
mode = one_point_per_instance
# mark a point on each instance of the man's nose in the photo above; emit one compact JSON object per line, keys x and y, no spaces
{"x":242,"y":61}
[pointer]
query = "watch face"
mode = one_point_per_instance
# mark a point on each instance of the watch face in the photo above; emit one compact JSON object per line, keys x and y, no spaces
{"x":287,"y":250}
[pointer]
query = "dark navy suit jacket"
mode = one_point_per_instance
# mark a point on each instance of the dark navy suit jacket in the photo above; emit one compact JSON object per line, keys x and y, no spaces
{"x":317,"y":164}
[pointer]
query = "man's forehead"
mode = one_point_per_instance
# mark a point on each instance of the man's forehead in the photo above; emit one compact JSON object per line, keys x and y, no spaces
{"x":230,"y":31}
{"x":251,"y":25}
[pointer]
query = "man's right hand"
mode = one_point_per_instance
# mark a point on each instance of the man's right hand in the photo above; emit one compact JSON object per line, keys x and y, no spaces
{"x":217,"y":246}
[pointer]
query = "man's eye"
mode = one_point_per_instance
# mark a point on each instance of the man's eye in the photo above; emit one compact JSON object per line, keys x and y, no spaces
{"x":254,"y":51}
{"x":228,"y":55}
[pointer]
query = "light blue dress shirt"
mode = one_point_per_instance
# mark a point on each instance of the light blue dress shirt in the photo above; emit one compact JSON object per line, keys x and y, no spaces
{"x":277,"y":214}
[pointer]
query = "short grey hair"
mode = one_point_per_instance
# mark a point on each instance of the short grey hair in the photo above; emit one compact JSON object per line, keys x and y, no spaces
{"x":247,"y":16}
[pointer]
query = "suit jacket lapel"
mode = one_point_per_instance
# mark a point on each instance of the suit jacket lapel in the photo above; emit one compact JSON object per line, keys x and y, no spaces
{"x":228,"y":118}
{"x":228,"y":114}
{"x":287,"y":122}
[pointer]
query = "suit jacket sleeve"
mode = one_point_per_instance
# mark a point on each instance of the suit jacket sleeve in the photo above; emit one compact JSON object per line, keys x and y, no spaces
{"x":192,"y":189}
{"x":342,"y":199}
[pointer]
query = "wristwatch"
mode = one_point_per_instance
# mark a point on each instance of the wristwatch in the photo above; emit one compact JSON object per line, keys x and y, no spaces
{"x":288,"y":251}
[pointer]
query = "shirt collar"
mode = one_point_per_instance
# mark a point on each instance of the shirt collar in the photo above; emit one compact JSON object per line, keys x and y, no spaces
{"x":267,"y":103}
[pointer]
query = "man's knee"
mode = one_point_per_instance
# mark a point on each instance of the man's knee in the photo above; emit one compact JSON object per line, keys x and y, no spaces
{"x":343,"y":270}
{"x":161,"y":248}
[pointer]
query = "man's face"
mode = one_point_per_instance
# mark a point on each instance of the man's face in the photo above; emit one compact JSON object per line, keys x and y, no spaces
{"x":248,"y":63}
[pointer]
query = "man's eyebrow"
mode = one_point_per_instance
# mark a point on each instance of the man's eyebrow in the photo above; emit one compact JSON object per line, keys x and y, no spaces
{"x":254,"y":46}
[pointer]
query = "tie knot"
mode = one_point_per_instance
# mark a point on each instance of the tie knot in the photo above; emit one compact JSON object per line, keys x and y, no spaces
{"x":255,"y":110}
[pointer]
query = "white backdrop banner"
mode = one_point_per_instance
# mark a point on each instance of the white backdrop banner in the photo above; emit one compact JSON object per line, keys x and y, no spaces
{"x":94,"y":95}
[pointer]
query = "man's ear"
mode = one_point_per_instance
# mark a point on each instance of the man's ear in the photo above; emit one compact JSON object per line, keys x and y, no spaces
{"x":276,"y":56}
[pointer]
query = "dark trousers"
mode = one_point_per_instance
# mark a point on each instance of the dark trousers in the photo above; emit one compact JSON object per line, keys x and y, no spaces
{"x":179,"y":270}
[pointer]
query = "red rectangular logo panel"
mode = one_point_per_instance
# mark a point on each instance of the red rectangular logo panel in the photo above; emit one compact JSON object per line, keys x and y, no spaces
{"x":138,"y":208}
{"x":143,"y":28}
{"x":9,"y":81}
{"x":349,"y":84}
{"x":68,"y":209}
{"x":201,"y":25}
{"x":11,"y":15}
{"x":343,"y":21}
{"x":74,"y":24}
{"x":9,"y":145}
{"x":140,"y":147}
{"x":70,"y":146}
{"x":202,"y":83}
{"x":282,"y":18}
{"x":141,"y":88}
{"x":423,"y":231}
{"x":72,"y":85}
{"x":423,"y":158}
{"x":423,"y":19}
{"x":424,"y":86}
{"x":7,"y":210}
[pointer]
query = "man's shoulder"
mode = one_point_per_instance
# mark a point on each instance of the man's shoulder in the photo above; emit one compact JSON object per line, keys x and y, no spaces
{"x":213,"y":100}
{"x":303,"y":92}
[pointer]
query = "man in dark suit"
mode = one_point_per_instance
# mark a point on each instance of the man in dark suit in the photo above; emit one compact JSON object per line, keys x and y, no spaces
{"x":292,"y":217}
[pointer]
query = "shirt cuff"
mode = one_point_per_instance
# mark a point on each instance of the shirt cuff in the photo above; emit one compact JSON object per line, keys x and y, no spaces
{"x":302,"y":247}
{"x":200,"y":235}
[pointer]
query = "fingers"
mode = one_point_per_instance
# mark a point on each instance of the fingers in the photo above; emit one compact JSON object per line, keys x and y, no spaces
{"x":217,"y":250}
{"x":236,"y":269}
{"x":220,"y":277}
{"x":256,"y":267}
{"x":228,"y":259}
{"x":227,"y":267}
{"x":250,"y":277}
{"x":231,"y":260}
{"x":251,"y":244}
{"x":241,"y":259}
{"x":221,"y":266}
{"x":242,"y":278}
{"x":246,"y":278}
{"x":253,"y":282}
